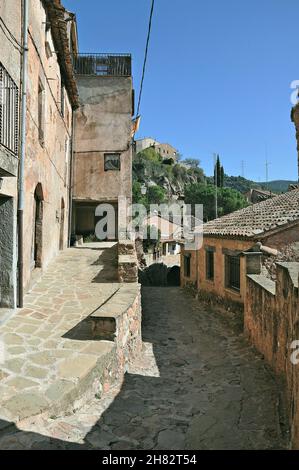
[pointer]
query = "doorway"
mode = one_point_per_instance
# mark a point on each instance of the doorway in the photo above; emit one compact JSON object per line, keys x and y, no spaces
{"x":37,"y":246}
{"x":7,"y":274}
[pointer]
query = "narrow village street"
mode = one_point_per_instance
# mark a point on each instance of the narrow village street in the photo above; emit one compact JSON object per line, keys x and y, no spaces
{"x":198,"y":385}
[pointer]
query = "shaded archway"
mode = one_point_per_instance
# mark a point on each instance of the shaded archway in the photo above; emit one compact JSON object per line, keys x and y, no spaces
{"x":62,"y":217}
{"x":38,"y":226}
{"x":173,"y":276}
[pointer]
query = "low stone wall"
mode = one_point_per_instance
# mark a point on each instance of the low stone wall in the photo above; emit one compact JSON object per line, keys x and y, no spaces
{"x":119,"y":320}
{"x":271,"y":322}
{"x":127,"y":262}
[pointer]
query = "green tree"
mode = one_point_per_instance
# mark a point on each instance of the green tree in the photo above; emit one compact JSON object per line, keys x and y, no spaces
{"x":229,"y":200}
{"x":156,"y":195}
{"x":192,"y":162}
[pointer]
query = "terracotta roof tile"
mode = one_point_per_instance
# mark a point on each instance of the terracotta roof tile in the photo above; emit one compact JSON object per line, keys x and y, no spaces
{"x":259,"y":218}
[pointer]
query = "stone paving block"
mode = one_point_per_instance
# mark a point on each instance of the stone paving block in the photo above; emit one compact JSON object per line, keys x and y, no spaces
{"x":36,"y":372}
{"x":77,"y":367}
{"x":25,"y":404}
{"x":15,"y":365}
{"x":20,"y":383}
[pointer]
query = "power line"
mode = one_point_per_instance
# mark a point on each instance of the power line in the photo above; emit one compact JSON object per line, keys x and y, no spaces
{"x":145,"y":55}
{"x":17,"y":45}
{"x":9,"y":39}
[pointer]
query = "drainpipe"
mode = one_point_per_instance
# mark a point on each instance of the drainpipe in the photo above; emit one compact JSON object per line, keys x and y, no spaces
{"x":21,"y":190}
{"x":71,"y":180}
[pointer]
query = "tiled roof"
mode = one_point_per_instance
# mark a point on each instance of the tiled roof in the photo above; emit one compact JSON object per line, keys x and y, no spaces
{"x":258,"y":219}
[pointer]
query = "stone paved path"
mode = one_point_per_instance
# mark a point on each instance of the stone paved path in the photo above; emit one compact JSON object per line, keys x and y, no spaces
{"x":41,"y":357}
{"x":198,"y":385}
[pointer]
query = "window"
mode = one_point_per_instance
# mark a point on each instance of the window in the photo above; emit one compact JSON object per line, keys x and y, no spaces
{"x":232,"y":268}
{"x":41,"y":111}
{"x":112,"y":161}
{"x":9,"y":112}
{"x":187,"y":265}
{"x":210,"y":265}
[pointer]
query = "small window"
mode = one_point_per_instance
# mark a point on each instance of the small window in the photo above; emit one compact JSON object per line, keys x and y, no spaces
{"x":232,"y":267}
{"x":187,"y":265}
{"x":210,"y":265}
{"x":9,"y":111}
{"x":41,"y":110}
{"x":112,"y":161}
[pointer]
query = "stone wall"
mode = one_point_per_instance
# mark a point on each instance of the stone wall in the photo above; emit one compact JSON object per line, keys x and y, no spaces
{"x":47,"y":164}
{"x":119,"y":320}
{"x":271,"y":323}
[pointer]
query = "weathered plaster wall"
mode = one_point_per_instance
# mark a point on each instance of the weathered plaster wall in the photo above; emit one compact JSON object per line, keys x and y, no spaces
{"x":271,"y":322}
{"x":48,"y":163}
{"x":217,"y":286}
{"x":103,"y":125}
{"x":192,"y":280}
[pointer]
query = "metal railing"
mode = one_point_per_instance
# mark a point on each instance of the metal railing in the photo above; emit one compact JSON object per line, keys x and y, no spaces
{"x":109,"y":65}
{"x":9,"y":112}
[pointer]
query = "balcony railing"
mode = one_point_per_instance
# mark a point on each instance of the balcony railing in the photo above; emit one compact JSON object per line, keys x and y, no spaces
{"x":9,"y":112}
{"x":109,"y":65}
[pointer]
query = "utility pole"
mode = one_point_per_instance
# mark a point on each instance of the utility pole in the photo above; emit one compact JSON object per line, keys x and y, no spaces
{"x":216,"y":185}
{"x":243,"y":168}
{"x":267,"y":172}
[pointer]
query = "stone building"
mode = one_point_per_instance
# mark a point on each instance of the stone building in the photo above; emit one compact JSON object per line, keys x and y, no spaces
{"x":103,"y":139}
{"x":166,"y":151}
{"x":220,"y":266}
{"x":51,"y":98}
{"x":145,"y":143}
{"x":10,"y":89}
{"x":52,"y":95}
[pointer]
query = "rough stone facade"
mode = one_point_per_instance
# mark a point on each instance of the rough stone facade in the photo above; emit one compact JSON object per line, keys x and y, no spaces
{"x":48,"y":140}
{"x":48,"y":145}
{"x":271,"y":323}
{"x":10,"y":60}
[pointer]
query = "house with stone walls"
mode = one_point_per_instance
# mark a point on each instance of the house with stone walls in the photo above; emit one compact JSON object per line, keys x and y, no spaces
{"x":10,"y":92}
{"x":103,"y":144}
{"x":51,"y":98}
{"x":219,"y":268}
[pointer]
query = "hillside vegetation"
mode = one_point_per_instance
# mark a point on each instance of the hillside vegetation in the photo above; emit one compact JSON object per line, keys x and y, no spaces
{"x":167,"y":180}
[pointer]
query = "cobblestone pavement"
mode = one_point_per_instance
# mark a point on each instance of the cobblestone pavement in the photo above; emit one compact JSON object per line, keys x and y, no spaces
{"x":41,"y":358}
{"x":198,"y":385}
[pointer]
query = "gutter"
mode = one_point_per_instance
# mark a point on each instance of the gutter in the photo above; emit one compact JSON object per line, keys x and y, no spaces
{"x":21,"y":182}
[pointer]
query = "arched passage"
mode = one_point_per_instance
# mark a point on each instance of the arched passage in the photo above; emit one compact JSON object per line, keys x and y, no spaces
{"x":173,"y":276}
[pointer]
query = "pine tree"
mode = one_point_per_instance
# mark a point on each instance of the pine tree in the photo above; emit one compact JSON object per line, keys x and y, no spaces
{"x":218,"y":180}
{"x":222,"y":176}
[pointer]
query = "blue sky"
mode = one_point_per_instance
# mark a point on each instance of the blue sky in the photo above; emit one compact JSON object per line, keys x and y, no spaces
{"x":218,"y":75}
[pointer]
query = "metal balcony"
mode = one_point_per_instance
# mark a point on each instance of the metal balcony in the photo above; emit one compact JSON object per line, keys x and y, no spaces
{"x":103,"y":65}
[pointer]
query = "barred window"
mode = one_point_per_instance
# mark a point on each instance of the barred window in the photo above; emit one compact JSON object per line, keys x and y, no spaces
{"x":210,"y":265}
{"x":9,"y":112}
{"x":232,"y":267}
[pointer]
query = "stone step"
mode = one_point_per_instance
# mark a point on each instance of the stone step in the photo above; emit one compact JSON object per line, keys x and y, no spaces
{"x":79,"y":377}
{"x":104,"y":321}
